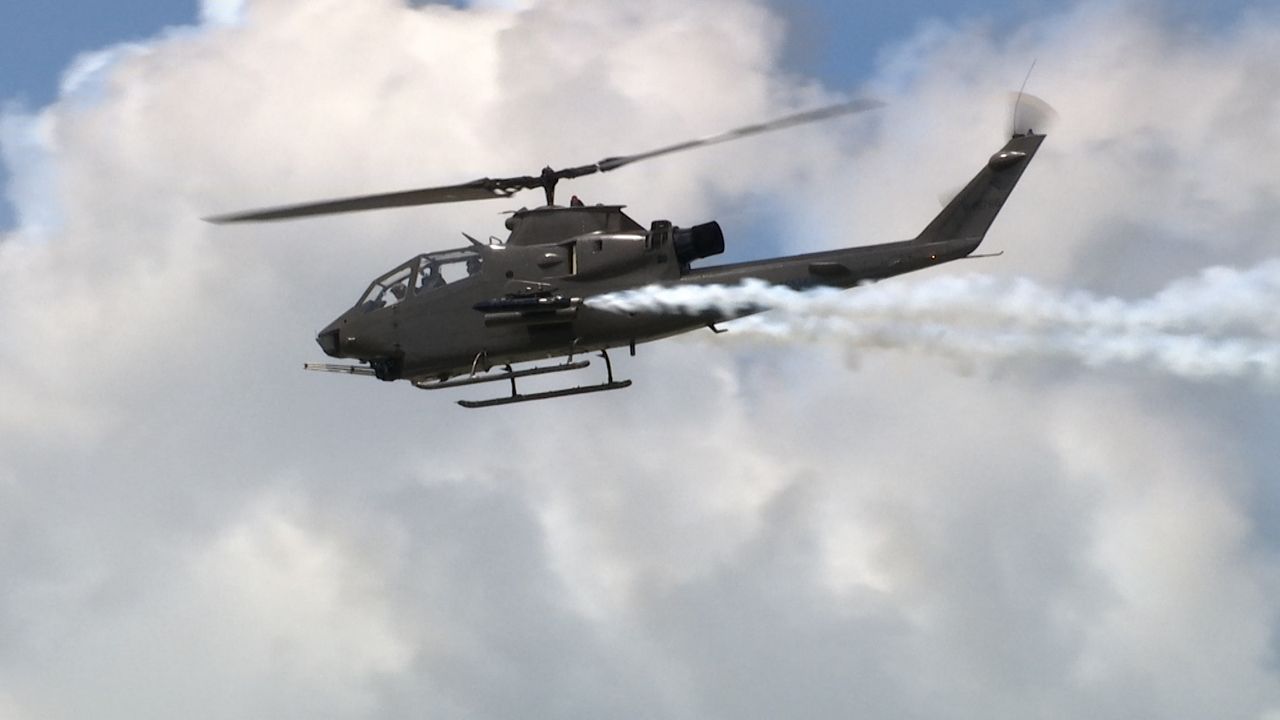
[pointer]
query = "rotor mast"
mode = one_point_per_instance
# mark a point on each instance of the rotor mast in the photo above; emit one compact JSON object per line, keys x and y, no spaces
{"x":549,"y":180}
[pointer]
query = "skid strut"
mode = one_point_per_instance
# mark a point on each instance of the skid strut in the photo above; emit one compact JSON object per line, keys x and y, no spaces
{"x":506,"y":374}
{"x":516,"y":397}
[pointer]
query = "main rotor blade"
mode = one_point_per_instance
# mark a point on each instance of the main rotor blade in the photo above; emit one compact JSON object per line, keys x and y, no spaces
{"x":482,"y":189}
{"x":848,"y":108}
{"x":489,"y":188}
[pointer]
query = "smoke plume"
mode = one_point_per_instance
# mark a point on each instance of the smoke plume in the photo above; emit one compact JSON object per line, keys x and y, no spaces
{"x":1218,"y":323}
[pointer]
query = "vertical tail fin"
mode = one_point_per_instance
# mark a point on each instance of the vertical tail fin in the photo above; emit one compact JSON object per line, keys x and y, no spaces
{"x":970,"y":214}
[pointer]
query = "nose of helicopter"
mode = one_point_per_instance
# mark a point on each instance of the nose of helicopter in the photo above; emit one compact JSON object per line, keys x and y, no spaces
{"x":328,"y":341}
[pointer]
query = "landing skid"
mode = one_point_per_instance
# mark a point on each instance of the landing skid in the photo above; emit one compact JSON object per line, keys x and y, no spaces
{"x":517,"y":397}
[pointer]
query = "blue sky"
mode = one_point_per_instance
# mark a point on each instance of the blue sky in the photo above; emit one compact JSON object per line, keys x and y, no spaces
{"x":39,"y":39}
{"x":836,"y":40}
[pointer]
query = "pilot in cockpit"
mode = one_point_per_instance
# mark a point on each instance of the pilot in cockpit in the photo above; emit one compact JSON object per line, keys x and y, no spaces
{"x":431,"y":278}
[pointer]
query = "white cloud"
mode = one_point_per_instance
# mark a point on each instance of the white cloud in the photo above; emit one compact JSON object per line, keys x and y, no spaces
{"x":188,"y":521}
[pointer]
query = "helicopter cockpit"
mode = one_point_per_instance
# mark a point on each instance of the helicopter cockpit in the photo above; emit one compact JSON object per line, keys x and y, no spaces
{"x":422,"y":274}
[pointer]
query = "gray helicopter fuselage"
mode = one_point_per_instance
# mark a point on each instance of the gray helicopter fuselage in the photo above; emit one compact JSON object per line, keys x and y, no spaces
{"x":529,"y":298}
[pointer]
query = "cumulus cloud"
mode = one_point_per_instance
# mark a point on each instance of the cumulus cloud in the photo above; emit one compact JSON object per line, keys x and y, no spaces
{"x":190,"y":524}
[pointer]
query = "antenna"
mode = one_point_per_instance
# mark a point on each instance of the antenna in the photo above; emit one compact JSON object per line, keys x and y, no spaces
{"x":1013,"y":121}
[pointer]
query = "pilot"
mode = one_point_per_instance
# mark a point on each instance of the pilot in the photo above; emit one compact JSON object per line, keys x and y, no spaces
{"x":473,"y":266}
{"x":431,"y":278}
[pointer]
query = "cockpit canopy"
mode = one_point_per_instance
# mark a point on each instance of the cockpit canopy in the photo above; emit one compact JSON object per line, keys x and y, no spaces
{"x":430,"y":271}
{"x":424,"y":273}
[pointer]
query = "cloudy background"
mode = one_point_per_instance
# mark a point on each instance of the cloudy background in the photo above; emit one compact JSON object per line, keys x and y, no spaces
{"x":190,"y":525}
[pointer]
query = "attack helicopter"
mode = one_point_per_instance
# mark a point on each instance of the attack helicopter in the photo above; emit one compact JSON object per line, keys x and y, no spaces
{"x":470,"y":315}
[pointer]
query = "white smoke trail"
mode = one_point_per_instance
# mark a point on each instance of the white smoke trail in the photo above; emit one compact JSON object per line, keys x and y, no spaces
{"x":1222,"y":322}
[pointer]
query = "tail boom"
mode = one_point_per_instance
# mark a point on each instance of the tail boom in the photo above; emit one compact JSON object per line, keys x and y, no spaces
{"x":954,"y":234}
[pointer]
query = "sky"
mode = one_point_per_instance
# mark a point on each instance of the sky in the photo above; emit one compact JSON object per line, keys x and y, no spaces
{"x":932,"y":518}
{"x":836,"y":42}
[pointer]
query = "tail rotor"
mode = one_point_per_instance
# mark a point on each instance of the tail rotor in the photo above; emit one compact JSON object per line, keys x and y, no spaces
{"x":1030,"y":115}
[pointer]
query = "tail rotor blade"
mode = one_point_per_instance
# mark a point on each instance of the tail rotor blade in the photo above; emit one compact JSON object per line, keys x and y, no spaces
{"x":1030,"y":114}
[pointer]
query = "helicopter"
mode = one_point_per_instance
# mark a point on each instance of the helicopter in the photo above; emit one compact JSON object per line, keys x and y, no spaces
{"x":470,"y":315}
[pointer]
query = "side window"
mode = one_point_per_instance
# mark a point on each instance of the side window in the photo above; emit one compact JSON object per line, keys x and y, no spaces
{"x":440,"y":269}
